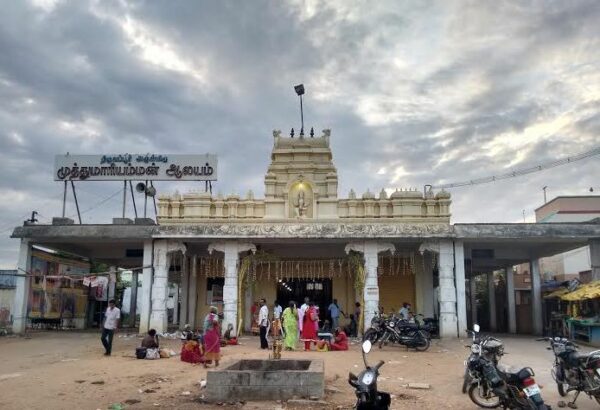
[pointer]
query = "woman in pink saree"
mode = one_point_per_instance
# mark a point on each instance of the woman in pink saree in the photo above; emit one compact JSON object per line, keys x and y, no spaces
{"x":212,"y":337}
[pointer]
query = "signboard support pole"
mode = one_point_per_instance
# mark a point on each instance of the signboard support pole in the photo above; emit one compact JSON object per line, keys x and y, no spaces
{"x":145,"y":199}
{"x":133,"y":199}
{"x":64,"y":200}
{"x":154,"y":201}
{"x":76,"y":203}
{"x":124,"y":196}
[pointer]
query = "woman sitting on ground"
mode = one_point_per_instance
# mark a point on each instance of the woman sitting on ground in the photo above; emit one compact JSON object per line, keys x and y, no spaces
{"x":191,"y":351}
{"x":340,"y":342}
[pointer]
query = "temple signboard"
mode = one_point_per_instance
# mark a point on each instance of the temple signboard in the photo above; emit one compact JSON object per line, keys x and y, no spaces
{"x":120,"y":167}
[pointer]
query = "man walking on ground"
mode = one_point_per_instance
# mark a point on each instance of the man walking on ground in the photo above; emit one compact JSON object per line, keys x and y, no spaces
{"x":334,"y":313}
{"x":111,"y":323}
{"x":263,"y":321}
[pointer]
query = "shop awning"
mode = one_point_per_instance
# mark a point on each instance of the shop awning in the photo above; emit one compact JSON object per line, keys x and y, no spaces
{"x":587,"y":291}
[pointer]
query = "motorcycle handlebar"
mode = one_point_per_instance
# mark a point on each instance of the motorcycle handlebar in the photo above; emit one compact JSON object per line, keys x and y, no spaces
{"x":378,"y":365}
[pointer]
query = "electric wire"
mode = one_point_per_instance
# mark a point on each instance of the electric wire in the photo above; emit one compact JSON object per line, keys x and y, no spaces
{"x":523,"y":171}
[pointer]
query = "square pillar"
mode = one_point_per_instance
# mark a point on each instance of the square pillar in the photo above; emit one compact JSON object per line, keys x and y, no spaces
{"x":492,"y":301}
{"x":473,"y":295}
{"x":163,"y":250}
{"x":192,"y":301}
{"x":424,"y":287}
{"x":185,"y":277}
{"x":459,"y":275}
{"x":112,"y":281}
{"x":510,"y":300}
{"x":447,"y":299}
{"x":133,"y":298}
{"x":176,"y":304}
{"x":370,"y":251}
{"x":23,"y":283}
{"x":536,"y":297}
{"x":231,"y":251}
{"x":595,"y":258}
{"x":146,"y":288}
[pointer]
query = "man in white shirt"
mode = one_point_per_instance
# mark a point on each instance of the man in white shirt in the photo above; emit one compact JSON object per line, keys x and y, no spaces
{"x":263,"y":322}
{"x":111,"y":323}
{"x":277,"y":309}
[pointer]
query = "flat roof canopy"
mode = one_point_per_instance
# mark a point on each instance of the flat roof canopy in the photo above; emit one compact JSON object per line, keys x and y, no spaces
{"x":488,"y":246}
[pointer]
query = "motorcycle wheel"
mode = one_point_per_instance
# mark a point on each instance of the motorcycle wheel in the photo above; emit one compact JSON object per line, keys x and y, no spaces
{"x":424,"y":343}
{"x":561,"y":389}
{"x":488,"y":401}
{"x":559,"y":374}
{"x":466,"y":381}
{"x":371,"y":335}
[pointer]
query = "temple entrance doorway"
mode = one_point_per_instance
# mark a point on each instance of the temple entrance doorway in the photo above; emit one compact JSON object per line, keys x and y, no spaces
{"x":318,"y":290}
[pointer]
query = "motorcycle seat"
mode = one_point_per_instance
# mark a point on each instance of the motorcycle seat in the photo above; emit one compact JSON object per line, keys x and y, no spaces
{"x":513,"y":376}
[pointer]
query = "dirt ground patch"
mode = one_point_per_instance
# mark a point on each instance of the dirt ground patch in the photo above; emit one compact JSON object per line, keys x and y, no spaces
{"x":64,"y":370}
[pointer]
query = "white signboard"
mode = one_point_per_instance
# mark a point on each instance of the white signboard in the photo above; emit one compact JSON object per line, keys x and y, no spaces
{"x":137,"y":167}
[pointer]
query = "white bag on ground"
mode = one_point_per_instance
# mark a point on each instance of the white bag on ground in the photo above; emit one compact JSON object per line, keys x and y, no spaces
{"x":152,"y":354}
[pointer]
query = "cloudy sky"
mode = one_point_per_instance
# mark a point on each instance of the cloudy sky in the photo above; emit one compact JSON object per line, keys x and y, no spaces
{"x":414,"y":92}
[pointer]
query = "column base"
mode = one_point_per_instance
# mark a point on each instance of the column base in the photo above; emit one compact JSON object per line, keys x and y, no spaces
{"x":448,"y":323}
{"x":158,"y":321}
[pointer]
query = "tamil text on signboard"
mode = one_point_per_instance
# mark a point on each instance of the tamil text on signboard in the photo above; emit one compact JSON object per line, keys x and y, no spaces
{"x":152,"y":167}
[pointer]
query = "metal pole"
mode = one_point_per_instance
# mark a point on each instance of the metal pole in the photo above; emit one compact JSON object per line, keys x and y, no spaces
{"x":124,"y":196}
{"x":301,"y":116}
{"x":154,"y":201}
{"x":544,"y":189}
{"x":76,"y":203}
{"x":133,"y":199}
{"x":64,"y":200}
{"x":145,"y":199}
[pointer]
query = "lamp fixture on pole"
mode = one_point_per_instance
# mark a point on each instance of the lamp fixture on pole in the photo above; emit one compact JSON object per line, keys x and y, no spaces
{"x":300,"y":91}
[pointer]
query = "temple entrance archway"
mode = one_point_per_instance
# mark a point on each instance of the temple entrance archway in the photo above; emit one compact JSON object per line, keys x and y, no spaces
{"x":320,"y":291}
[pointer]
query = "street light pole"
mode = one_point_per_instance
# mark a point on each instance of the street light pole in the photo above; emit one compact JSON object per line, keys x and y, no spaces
{"x":544,"y":189}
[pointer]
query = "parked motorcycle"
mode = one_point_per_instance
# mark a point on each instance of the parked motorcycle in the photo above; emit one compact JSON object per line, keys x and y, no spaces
{"x":377,"y":329}
{"x":365,"y":385}
{"x":428,"y":324}
{"x":397,"y":331}
{"x":574,"y":371}
{"x":493,"y":386}
{"x":491,"y":348}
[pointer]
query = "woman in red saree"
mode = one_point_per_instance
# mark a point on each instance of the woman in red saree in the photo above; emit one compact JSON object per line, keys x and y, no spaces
{"x":309,"y":333}
{"x":191,"y":351}
{"x":212,"y":337}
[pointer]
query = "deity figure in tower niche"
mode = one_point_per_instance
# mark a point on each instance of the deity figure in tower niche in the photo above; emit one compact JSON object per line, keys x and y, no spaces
{"x":301,"y":205}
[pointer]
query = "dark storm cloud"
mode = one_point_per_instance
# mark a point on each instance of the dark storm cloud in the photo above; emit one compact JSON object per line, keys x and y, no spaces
{"x":415,"y":93}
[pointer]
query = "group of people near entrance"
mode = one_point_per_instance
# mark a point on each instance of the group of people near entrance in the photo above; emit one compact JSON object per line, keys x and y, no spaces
{"x":302,"y":324}
{"x":199,"y":347}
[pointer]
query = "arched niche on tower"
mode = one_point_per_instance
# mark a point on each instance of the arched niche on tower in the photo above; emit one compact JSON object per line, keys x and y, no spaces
{"x":301,"y":199}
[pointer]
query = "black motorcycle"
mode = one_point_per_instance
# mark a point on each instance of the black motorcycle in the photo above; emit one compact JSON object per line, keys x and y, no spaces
{"x":491,"y":348}
{"x":428,"y":324}
{"x":492,"y":387}
{"x":377,"y":329}
{"x":365,"y":385}
{"x":574,"y":371}
{"x":409,"y":334}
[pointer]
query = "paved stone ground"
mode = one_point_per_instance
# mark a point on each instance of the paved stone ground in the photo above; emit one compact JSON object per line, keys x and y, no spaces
{"x":66,"y":370}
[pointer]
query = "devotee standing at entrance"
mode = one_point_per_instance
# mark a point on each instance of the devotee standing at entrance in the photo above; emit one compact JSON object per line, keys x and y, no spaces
{"x":111,"y":323}
{"x":263,"y":321}
{"x":301,"y":314}
{"x":334,"y":313}
{"x":212,"y":337}
{"x":290,"y":326}
{"x":309,"y":333}
{"x":277,"y":309}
